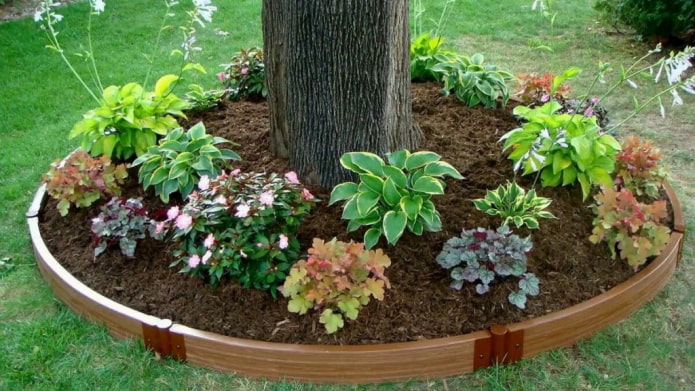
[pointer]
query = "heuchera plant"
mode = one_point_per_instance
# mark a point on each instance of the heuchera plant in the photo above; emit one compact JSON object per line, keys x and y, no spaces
{"x":120,"y":221}
{"x":81,"y":179}
{"x":631,"y":226}
{"x":535,"y":88}
{"x":482,"y":254}
{"x":514,"y":205}
{"x":244,"y":76}
{"x":240,"y":225}
{"x":338,"y":278}
{"x":391,"y":198}
{"x":637,"y":167}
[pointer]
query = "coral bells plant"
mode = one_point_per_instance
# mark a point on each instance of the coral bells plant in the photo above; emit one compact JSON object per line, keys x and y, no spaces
{"x":631,"y":226}
{"x":240,"y":225}
{"x":338,"y":278}
{"x":536,"y":88}
{"x":81,"y":179}
{"x":482,"y":254}
{"x":637,"y":168}
{"x":120,"y":221}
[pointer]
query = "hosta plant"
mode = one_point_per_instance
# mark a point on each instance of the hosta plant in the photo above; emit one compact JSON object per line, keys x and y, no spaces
{"x":422,"y":51}
{"x":514,"y":205}
{"x":562,"y":148}
{"x":244,"y":76}
{"x":337,"y":279}
{"x":240,"y":225}
{"x":632,"y":227}
{"x":199,"y":98}
{"x":395,"y":196}
{"x":129,"y":119}
{"x":81,"y":179}
{"x":480,"y":255}
{"x":179,"y":160}
{"x":472,"y":82}
{"x":120,"y":221}
{"x":637,"y":167}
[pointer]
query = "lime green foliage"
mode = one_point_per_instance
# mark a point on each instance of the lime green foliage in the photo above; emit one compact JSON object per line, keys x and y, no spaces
{"x":199,"y":98}
{"x":637,"y":167}
{"x":514,"y":205}
{"x":564,"y":148}
{"x":81,"y":179}
{"x":120,"y":221}
{"x":180,"y":159}
{"x":244,"y":76}
{"x":338,"y":277}
{"x":472,"y":82}
{"x":482,"y":254}
{"x":422,"y":57}
{"x":395,"y":196}
{"x":630,"y":225}
{"x":130,"y":119}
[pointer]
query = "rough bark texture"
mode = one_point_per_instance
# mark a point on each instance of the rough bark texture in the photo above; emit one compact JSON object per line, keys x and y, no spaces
{"x":338,"y":81}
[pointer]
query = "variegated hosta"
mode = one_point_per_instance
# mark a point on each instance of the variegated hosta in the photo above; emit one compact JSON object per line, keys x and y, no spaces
{"x":514,"y":205}
{"x":395,"y":196}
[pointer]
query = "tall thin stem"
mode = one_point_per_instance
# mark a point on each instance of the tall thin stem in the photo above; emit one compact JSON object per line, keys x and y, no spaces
{"x":91,"y":52}
{"x":150,"y":59}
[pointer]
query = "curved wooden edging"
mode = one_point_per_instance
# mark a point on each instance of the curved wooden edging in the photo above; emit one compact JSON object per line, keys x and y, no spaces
{"x":364,"y":363}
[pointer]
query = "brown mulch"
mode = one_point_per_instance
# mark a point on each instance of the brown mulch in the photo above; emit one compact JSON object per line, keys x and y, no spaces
{"x":420,"y":304}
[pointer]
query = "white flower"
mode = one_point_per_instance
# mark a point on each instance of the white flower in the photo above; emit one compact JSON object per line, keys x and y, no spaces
{"x":205,"y":9}
{"x":677,"y":64}
{"x":98,"y":6}
{"x":676,"y":98}
{"x":242,"y":211}
{"x":632,"y":83}
{"x":38,"y":15}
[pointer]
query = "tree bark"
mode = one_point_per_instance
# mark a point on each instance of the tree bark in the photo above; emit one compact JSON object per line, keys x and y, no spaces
{"x":338,"y":78}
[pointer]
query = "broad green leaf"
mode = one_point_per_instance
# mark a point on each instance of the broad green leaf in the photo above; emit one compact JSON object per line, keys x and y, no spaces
{"x":170,"y":186}
{"x":346,"y":161}
{"x":159,"y":175}
{"x":394,"y":225}
{"x":599,"y":176}
{"x":398,"y":158}
{"x":440,"y":169}
{"x":343,"y":191}
{"x":197,"y":131}
{"x":164,"y":85}
{"x":397,"y":175}
{"x":178,"y":170}
{"x":548,"y":178}
{"x":569,"y":176}
{"x":416,"y":226}
{"x":365,"y":202}
{"x":373,"y":182}
{"x":610,"y":141}
{"x":391,"y":194}
{"x":420,"y":159}
{"x":428,"y":185}
{"x":371,"y":237}
{"x":585,"y":183}
{"x":582,"y":147}
{"x":368,"y":162}
{"x":411,"y":206}
{"x":350,"y":211}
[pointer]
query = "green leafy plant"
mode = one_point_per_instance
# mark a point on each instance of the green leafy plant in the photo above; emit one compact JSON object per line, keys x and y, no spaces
{"x":631,"y":226}
{"x":651,"y":18}
{"x":422,"y":57}
{"x":81,"y":180}
{"x":120,"y":221}
{"x":483,"y":254}
{"x":244,"y":76}
{"x":562,"y":148}
{"x":472,"y":82}
{"x":181,"y":159}
{"x":239,"y":225}
{"x":199,"y":98}
{"x":393,"y":197}
{"x":514,"y":205}
{"x":337,"y":277}
{"x":637,"y":168}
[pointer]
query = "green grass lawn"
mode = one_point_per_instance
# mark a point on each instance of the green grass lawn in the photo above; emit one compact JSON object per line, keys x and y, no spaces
{"x":45,"y":346}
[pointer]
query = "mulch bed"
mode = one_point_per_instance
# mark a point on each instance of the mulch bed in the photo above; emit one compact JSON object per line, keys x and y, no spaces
{"x":420,"y":304}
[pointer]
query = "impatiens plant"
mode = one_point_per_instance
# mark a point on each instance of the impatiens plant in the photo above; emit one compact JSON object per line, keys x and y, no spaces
{"x":240,"y":225}
{"x":180,"y":159}
{"x":562,"y":148}
{"x":81,"y":179}
{"x":393,"y":197}
{"x":637,"y":167}
{"x":244,"y":76}
{"x":514,"y":205}
{"x":482,"y":254}
{"x":338,"y":279}
{"x":120,"y":221}
{"x":631,"y":226}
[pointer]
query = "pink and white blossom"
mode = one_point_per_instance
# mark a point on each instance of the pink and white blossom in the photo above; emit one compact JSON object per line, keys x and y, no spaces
{"x":306,"y":195}
{"x":172,"y":212}
{"x":206,"y":257}
{"x":284,"y":242}
{"x":292,"y":177}
{"x":244,"y":71}
{"x":209,"y":241}
{"x":194,"y":260}
{"x":204,"y":182}
{"x":242,"y":211}
{"x":243,"y":254}
{"x":267,"y":198}
{"x":159,"y":227}
{"x":221,"y":76}
{"x":183,"y":221}
{"x":220,"y":199}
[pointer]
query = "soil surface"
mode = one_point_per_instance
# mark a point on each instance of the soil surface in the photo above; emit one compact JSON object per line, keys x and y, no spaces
{"x":420,"y":304}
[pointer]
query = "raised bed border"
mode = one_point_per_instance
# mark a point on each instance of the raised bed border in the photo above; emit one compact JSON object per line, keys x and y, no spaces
{"x":363,"y":363}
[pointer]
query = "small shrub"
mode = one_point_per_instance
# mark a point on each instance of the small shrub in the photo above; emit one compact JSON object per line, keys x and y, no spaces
{"x":240,"y":225}
{"x":81,"y":179}
{"x":120,"y":221}
{"x":637,"y":168}
{"x":633,"y":227}
{"x":482,"y":254}
{"x":472,"y":82}
{"x":337,"y":277}
{"x":538,"y":89}
{"x":130,"y":119}
{"x":244,"y":76}
{"x":201,"y":99}
{"x":514,"y":205}
{"x":651,"y":18}
{"x":392,"y":197}
{"x":181,"y":159}
{"x":423,"y":50}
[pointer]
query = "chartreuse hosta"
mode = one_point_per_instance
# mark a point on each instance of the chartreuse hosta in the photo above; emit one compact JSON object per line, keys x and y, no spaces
{"x":395,"y":196}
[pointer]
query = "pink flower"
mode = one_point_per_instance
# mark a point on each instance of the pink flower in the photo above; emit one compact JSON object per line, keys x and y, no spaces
{"x":242,"y":211}
{"x":204,"y":182}
{"x":243,"y":254}
{"x":595,"y":100}
{"x":209,"y":241}
{"x":306,"y":195}
{"x":159,"y":228}
{"x":206,"y":257}
{"x":589,"y":112}
{"x":292,"y":177}
{"x":221,"y":76}
{"x":194,"y":260}
{"x":220,"y":199}
{"x":183,"y":221}
{"x":235,"y":172}
{"x":244,"y":71}
{"x":173,"y":212}
{"x":267,"y":198}
{"x":545,"y":98}
{"x":259,"y":244}
{"x":283,"y":242}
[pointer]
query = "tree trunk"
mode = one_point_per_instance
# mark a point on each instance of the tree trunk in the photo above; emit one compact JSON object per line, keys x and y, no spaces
{"x":338,"y":78}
